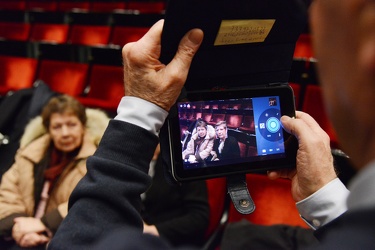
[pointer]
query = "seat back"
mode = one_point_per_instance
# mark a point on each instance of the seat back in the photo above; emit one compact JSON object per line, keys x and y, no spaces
{"x":14,"y":30}
{"x":107,"y":6}
{"x":234,"y":120}
{"x":303,"y":47}
{"x":146,"y":6}
{"x":13,"y":5}
{"x":122,"y":35}
{"x":89,"y":28}
{"x":130,"y":27}
{"x":89,"y":34}
{"x":41,"y":5}
{"x":10,"y":77}
{"x":106,"y":87}
{"x":45,"y":32}
{"x":68,"y":5}
{"x":63,"y":76}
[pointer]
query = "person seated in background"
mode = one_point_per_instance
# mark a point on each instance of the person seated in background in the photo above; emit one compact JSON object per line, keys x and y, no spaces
{"x":177,"y":213}
{"x":225,"y":147}
{"x":51,"y":160}
{"x":200,"y":145}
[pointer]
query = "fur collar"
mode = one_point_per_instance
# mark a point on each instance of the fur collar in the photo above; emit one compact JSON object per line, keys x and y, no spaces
{"x":211,"y":133}
{"x":96,"y":124}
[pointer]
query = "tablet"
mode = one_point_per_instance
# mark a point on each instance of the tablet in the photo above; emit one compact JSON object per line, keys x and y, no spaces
{"x":241,"y":128}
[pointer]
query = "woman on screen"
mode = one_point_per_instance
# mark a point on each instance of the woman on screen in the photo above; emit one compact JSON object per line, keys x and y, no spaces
{"x":200,"y":144}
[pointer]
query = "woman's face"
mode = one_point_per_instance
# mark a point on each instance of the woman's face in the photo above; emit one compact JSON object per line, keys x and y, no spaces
{"x":201,"y":131}
{"x":66,"y":131}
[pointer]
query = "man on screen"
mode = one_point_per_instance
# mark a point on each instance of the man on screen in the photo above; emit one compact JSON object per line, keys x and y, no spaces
{"x":225,"y":147}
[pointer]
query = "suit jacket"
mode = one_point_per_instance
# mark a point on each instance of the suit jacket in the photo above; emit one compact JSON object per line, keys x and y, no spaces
{"x":231,"y":150}
{"x":352,"y":230}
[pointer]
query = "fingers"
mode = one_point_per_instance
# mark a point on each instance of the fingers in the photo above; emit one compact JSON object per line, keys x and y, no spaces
{"x":25,"y":225}
{"x":303,"y":127}
{"x":282,"y":173}
{"x":147,"y":78}
{"x":186,"y":50}
{"x":146,"y":48}
{"x":33,"y":239}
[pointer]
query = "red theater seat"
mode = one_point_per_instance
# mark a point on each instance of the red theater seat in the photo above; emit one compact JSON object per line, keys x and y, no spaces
{"x":206,"y":117}
{"x":215,"y":118}
{"x":313,"y":104}
{"x":55,"y":33}
{"x":89,"y":28}
{"x":16,"y":73}
{"x":248,"y":124}
{"x":14,"y":31}
{"x":43,"y":5}
{"x":73,"y":5}
{"x":106,"y":87}
{"x":130,"y":27}
{"x":233,"y":121}
{"x":13,"y":5}
{"x":146,"y":6}
{"x":217,"y":194}
{"x":89,"y":34}
{"x":122,"y":35}
{"x":107,"y":6}
{"x":303,"y":47}
{"x":273,"y":201}
{"x":63,"y":76}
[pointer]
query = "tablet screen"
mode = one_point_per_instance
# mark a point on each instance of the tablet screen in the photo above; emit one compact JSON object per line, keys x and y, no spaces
{"x":217,"y":133}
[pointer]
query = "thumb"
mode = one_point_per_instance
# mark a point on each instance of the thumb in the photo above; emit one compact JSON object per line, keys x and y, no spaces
{"x":187,"y":48}
{"x":287,"y":123}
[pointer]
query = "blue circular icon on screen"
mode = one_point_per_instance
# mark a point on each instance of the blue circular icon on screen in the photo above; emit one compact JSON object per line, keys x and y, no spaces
{"x":269,"y":125}
{"x":273,"y":125}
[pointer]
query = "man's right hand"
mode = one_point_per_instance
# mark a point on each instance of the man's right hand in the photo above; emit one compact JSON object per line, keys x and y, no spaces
{"x":314,"y":159}
{"x":147,"y":78}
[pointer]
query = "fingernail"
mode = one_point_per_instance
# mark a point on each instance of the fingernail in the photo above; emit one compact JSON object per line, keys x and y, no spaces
{"x":195,"y":36}
{"x":285,"y":118}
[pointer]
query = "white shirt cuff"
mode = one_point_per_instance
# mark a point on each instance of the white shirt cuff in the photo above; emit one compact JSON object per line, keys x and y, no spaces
{"x":324,"y":205}
{"x":141,"y":113}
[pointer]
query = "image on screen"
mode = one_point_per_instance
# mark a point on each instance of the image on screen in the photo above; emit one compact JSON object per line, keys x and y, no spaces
{"x":223,"y":132}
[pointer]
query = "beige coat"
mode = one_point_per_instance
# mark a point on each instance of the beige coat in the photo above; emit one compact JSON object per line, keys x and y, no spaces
{"x":205,"y":148}
{"x":17,"y":185}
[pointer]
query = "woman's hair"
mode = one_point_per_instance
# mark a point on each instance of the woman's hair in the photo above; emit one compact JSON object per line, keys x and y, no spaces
{"x":63,"y":104}
{"x":201,"y":123}
{"x":221,"y":123}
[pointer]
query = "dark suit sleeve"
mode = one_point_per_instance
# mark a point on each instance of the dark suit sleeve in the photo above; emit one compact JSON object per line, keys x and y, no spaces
{"x":179,"y":212}
{"x":107,"y":199}
{"x":190,"y":226}
{"x":231,"y":148}
{"x":351,"y":230}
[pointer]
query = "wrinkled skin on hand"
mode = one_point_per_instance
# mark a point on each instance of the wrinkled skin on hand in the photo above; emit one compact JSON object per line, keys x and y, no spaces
{"x":314,"y":159}
{"x":147,"y":78}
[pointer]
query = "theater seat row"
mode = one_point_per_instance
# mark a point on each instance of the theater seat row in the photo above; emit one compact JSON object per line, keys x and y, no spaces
{"x":95,"y":85}
{"x":94,"y":29}
{"x":137,"y":6}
